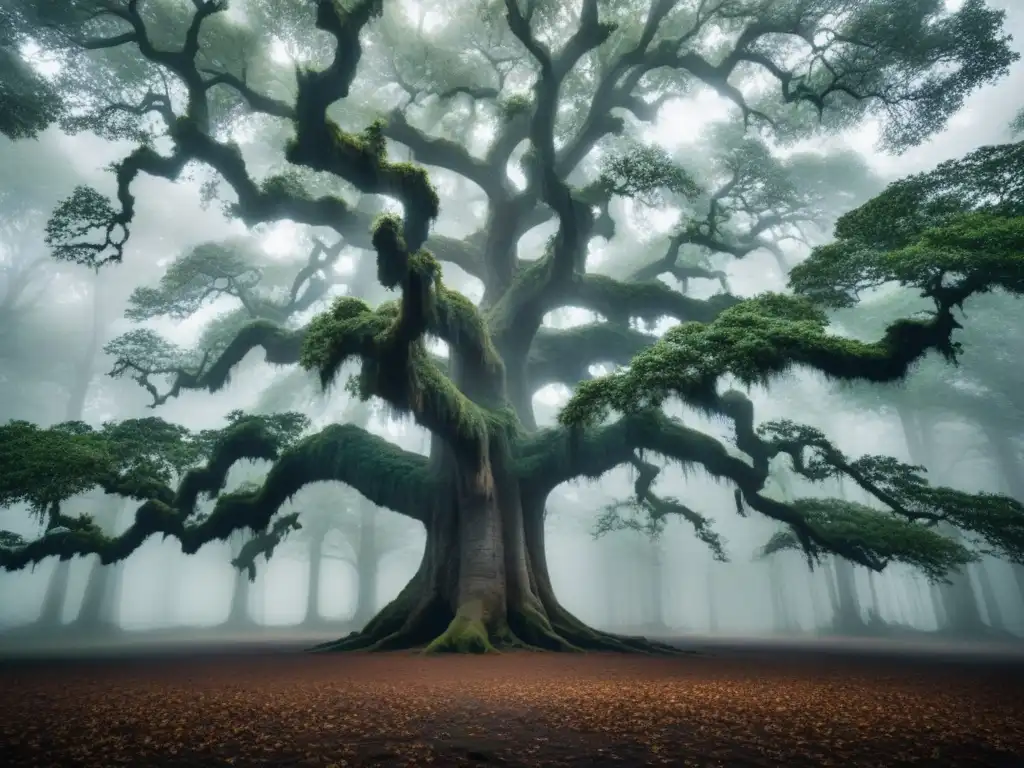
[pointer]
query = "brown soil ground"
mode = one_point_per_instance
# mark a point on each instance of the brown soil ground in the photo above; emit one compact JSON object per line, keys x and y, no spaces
{"x":734,"y":707}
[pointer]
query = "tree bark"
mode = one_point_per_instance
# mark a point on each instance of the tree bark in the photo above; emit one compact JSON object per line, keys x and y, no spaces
{"x":483,"y":582}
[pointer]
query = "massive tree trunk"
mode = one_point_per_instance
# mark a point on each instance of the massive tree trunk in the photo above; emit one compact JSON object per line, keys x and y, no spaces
{"x":483,"y":581}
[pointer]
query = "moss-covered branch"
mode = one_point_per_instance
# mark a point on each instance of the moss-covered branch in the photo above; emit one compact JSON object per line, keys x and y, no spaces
{"x":903,"y":531}
{"x":87,"y":229}
{"x":995,"y":522}
{"x":137,"y":355}
{"x":398,"y":368}
{"x":138,"y":458}
{"x":523,"y":304}
{"x":444,"y":153}
{"x":893,"y":539}
{"x":551,"y":457}
{"x":756,"y":341}
{"x":650,"y":300}
{"x":566,"y":356}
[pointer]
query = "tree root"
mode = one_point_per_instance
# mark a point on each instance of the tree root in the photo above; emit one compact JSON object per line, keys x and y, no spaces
{"x":529,"y":628}
{"x":589,"y":639}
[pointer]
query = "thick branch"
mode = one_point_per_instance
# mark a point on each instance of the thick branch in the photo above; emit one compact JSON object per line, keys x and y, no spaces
{"x":650,"y":301}
{"x":566,"y":356}
{"x":382,"y":472}
{"x":446,"y":154}
{"x":558,"y":455}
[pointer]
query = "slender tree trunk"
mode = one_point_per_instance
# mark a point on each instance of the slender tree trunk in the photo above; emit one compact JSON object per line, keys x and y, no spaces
{"x":239,"y":614}
{"x":1011,"y":468}
{"x":712,"y":602}
{"x":96,"y":588}
{"x":110,"y":613}
{"x":51,"y":614}
{"x":938,"y":605}
{"x":960,"y":608}
{"x":99,"y":609}
{"x":611,"y":587}
{"x":782,"y":614}
{"x":875,"y":611}
{"x":988,"y":595}
{"x":657,"y":586}
{"x":314,"y":577}
{"x":848,"y":617}
{"x":367,"y":563}
{"x":822,"y":606}
{"x":833,"y":588}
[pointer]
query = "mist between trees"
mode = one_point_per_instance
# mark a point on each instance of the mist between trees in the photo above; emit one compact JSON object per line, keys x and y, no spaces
{"x":507,"y":324}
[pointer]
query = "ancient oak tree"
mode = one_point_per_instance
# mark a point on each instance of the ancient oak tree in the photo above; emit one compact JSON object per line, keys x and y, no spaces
{"x":563,"y":88}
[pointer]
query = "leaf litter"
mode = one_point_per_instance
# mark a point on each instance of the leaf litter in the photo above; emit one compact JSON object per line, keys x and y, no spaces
{"x":517,"y":709}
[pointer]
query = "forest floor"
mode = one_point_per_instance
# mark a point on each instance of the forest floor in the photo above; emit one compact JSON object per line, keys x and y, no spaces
{"x":731,"y":704}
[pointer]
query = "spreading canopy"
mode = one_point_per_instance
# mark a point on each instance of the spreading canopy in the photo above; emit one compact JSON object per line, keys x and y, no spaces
{"x":571,"y":84}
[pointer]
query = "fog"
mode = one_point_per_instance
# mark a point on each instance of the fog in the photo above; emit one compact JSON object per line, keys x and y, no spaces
{"x":351,"y":558}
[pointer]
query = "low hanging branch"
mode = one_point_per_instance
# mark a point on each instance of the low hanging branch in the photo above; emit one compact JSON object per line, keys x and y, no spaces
{"x":110,"y":460}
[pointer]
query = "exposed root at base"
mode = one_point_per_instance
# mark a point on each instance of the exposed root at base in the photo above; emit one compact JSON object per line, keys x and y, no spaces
{"x":528,"y":628}
{"x":589,"y":639}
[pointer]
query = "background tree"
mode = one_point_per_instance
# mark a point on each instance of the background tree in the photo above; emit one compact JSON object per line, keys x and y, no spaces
{"x":564,"y":104}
